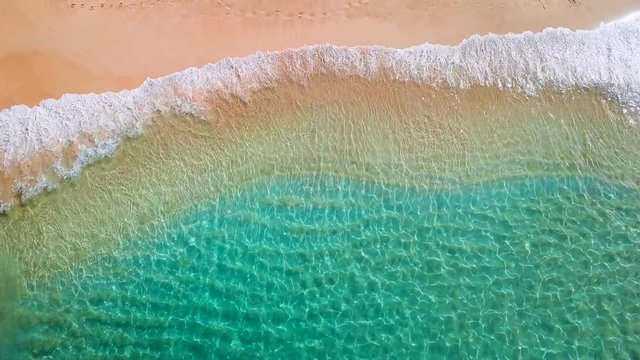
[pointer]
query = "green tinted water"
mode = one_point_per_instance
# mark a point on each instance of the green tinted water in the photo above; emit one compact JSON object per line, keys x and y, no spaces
{"x":329,"y":267}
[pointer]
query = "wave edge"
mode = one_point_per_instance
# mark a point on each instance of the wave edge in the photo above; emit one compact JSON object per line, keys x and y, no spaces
{"x":606,"y":59}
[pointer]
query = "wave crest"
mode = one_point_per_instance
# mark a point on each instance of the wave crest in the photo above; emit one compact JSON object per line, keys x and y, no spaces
{"x":67,"y":134}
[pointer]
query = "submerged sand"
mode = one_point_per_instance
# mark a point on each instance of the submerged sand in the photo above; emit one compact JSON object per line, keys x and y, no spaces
{"x":431,"y":116}
{"x":51,"y":48}
{"x":382,"y":131}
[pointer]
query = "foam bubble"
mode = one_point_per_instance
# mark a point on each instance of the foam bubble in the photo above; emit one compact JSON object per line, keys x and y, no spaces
{"x":606,"y":59}
{"x":632,"y":17}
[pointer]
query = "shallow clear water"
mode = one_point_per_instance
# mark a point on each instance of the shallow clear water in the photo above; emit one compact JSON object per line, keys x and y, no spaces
{"x":315,"y":267}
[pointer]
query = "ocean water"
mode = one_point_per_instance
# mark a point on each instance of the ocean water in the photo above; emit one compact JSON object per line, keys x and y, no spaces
{"x":401,"y":227}
{"x":298,"y":267}
{"x":478,"y":201}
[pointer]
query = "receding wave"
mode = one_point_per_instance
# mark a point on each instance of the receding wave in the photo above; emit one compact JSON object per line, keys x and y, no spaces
{"x":54,"y":141}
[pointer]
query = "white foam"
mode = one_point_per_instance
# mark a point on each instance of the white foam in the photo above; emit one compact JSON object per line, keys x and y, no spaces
{"x":632,"y":17}
{"x":606,"y":58}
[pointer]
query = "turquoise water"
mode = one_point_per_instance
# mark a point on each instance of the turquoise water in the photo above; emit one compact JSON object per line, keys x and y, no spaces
{"x":326,"y":267}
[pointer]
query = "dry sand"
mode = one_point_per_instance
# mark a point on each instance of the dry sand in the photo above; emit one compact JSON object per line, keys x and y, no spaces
{"x":52,"y":47}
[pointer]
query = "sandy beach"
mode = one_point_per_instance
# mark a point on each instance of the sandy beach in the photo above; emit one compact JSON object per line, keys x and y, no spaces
{"x":49,"y":48}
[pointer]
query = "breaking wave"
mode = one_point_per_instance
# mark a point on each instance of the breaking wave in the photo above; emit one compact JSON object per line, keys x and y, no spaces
{"x":54,"y":141}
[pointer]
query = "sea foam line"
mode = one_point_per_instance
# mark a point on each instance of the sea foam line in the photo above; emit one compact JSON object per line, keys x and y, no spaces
{"x":606,"y":59}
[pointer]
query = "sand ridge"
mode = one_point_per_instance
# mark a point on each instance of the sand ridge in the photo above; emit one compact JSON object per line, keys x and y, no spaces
{"x":49,"y":48}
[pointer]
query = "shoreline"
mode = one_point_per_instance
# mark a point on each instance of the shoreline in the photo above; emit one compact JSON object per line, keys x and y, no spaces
{"x":235,"y":208}
{"x":52,"y":48}
{"x":45,"y":145}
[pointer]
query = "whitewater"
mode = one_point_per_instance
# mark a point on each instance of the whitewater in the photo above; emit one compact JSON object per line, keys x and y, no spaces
{"x":42,"y":146}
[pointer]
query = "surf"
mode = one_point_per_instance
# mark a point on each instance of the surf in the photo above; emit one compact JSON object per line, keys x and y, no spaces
{"x":44,"y":146}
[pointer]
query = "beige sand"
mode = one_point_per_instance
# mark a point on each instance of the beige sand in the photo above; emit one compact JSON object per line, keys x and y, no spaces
{"x":52,"y":47}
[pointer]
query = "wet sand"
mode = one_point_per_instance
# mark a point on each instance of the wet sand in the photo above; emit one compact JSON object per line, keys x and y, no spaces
{"x":49,"y":48}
